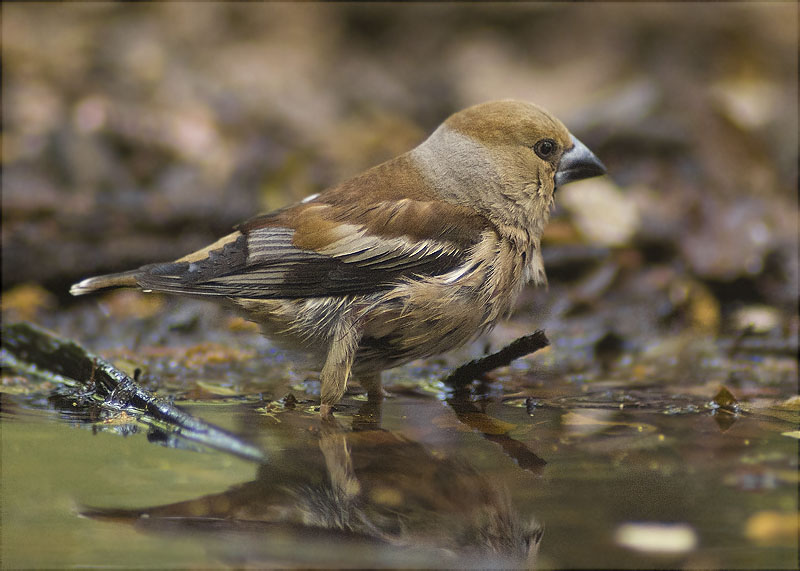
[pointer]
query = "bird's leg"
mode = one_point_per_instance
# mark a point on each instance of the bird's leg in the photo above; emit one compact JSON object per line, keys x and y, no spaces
{"x":371,"y":382}
{"x":338,"y":364}
{"x":368,"y":416}
{"x":326,"y":410}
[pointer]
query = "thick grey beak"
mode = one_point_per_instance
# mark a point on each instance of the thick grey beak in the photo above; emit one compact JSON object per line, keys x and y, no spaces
{"x":578,"y":163}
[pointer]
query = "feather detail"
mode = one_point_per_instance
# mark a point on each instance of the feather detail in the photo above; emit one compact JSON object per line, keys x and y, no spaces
{"x":124,"y":279}
{"x":265,"y":263}
{"x":408,"y":259}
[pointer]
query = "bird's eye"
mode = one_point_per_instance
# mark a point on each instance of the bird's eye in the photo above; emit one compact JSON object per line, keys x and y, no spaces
{"x":545,"y":148}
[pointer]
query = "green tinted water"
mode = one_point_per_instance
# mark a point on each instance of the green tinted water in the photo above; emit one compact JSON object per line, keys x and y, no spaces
{"x":601,"y":469}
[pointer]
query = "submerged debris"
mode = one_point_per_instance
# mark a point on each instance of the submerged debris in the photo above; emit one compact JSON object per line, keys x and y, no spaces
{"x":89,"y":381}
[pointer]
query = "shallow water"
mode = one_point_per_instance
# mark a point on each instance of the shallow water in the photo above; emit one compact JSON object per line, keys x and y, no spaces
{"x":416,"y":487}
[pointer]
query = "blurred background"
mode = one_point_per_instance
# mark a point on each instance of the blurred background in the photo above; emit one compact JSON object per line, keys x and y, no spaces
{"x":134,"y":133}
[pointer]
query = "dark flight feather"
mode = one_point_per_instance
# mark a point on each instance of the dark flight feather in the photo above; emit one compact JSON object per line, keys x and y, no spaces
{"x":266,"y":265}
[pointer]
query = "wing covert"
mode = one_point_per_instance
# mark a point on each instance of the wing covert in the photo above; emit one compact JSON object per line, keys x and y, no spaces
{"x":264,"y":263}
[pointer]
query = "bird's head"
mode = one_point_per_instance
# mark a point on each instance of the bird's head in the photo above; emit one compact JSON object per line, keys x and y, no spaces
{"x":506,"y":158}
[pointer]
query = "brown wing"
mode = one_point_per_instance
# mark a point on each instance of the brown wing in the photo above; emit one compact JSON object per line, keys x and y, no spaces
{"x":319,"y":256}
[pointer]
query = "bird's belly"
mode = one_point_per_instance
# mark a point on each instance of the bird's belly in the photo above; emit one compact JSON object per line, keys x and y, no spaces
{"x":300,"y":327}
{"x":413,"y":320}
{"x":426,"y":321}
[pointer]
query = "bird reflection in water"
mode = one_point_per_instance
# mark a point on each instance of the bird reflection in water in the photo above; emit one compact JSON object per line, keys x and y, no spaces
{"x":372,"y":497}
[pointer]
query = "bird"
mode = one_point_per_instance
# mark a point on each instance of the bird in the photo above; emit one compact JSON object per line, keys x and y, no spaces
{"x":409,"y":259}
{"x":373,"y":488}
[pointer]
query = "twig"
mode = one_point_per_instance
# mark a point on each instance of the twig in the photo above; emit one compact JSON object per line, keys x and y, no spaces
{"x":468,"y":372}
{"x":492,"y":429}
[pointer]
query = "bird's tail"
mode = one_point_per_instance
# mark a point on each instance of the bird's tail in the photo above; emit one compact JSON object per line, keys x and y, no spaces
{"x":124,"y":279}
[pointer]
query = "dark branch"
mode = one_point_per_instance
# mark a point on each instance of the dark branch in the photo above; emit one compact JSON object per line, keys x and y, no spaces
{"x":468,"y":372}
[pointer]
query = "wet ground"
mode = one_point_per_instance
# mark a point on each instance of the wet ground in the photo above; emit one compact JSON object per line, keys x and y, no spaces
{"x":528,"y":467}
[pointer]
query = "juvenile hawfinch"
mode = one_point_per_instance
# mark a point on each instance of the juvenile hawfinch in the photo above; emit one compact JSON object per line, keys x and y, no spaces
{"x":409,"y":259}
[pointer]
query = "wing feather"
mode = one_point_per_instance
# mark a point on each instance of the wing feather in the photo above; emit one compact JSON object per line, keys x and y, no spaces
{"x":265,"y":264}
{"x":363,"y":236}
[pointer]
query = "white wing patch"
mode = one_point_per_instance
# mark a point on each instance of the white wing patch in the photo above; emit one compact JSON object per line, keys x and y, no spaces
{"x":355,"y":246}
{"x":376,"y":252}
